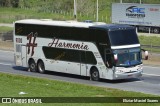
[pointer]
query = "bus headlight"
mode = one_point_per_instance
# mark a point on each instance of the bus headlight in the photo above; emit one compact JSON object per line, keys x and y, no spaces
{"x":139,"y":68}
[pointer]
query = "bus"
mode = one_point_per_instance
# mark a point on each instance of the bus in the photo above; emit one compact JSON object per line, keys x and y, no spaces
{"x":96,"y":49}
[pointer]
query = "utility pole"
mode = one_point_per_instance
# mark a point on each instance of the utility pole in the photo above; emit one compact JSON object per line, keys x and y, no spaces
{"x":75,"y":9}
{"x":97,"y":11}
{"x":140,"y":1}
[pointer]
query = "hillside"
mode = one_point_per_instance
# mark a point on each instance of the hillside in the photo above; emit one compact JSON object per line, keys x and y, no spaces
{"x":12,"y":10}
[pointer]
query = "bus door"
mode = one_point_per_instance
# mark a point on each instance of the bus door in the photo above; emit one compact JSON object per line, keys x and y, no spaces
{"x":18,"y":55}
{"x":73,"y":61}
{"x":83,"y":67}
{"x":73,"y":68}
{"x":24,"y":55}
{"x":108,"y":58}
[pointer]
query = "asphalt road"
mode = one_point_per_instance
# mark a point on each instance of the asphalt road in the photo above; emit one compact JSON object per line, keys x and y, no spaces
{"x":149,"y":83}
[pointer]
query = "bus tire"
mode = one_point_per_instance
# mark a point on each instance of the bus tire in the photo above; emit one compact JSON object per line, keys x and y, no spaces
{"x":41,"y":67}
{"x":94,"y":74}
{"x":156,"y":30}
{"x":32,"y":65}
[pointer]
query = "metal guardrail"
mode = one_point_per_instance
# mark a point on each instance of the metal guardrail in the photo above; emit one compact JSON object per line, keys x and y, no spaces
{"x":151,"y":46}
{"x":6,"y":36}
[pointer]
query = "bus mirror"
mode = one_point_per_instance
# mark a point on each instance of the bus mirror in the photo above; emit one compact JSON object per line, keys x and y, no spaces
{"x":115,"y":58}
{"x":146,"y":55}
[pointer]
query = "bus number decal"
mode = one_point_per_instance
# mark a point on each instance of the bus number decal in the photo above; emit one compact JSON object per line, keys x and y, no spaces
{"x":18,"y":40}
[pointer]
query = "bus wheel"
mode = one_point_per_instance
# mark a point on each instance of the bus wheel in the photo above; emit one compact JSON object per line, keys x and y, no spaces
{"x":94,"y":74}
{"x":41,"y":67}
{"x":32,"y":65}
{"x":156,"y":30}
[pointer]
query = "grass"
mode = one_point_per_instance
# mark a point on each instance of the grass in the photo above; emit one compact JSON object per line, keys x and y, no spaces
{"x":9,"y":15}
{"x":5,"y":29}
{"x":11,"y":85}
{"x":150,"y":40}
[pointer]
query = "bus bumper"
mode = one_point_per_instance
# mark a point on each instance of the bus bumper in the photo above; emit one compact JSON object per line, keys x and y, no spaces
{"x":136,"y":74}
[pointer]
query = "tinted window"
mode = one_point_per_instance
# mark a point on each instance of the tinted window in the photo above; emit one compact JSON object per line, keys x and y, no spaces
{"x":72,"y":33}
{"x":123,"y":37}
{"x":128,"y":57}
{"x":90,"y":58}
{"x":61,"y":54}
{"x":86,"y":57}
{"x":42,"y":30}
{"x":72,"y":55}
{"x":108,"y":58}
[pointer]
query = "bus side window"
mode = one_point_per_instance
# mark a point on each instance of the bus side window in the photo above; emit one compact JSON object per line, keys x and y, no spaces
{"x":108,"y":58}
{"x":88,"y":57}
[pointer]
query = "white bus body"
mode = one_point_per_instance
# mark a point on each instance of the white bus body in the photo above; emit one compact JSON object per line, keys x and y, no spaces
{"x":77,"y":48}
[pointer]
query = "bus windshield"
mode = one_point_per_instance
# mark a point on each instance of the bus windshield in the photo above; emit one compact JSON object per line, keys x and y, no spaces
{"x":128,"y":57}
{"x":123,"y":37}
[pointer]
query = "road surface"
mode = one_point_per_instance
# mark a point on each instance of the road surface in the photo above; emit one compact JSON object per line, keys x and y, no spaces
{"x":149,"y":83}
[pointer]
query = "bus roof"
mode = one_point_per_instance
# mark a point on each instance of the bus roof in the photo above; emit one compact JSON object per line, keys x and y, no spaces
{"x":59,"y":23}
{"x":99,"y":25}
{"x":111,"y":27}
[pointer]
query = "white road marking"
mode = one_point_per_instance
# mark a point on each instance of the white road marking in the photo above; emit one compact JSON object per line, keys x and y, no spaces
{"x":151,"y":74}
{"x":6,"y":51}
{"x":6,"y":64}
{"x":151,"y":67}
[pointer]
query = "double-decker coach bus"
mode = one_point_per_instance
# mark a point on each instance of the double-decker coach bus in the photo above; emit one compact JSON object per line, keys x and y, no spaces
{"x":97,"y":50}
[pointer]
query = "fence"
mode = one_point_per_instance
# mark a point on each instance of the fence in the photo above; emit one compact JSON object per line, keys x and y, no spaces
{"x":51,"y":14}
{"x":151,"y":48}
{"x":7,"y":36}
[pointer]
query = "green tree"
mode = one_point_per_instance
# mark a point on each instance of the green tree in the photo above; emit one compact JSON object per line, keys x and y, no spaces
{"x":15,"y":3}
